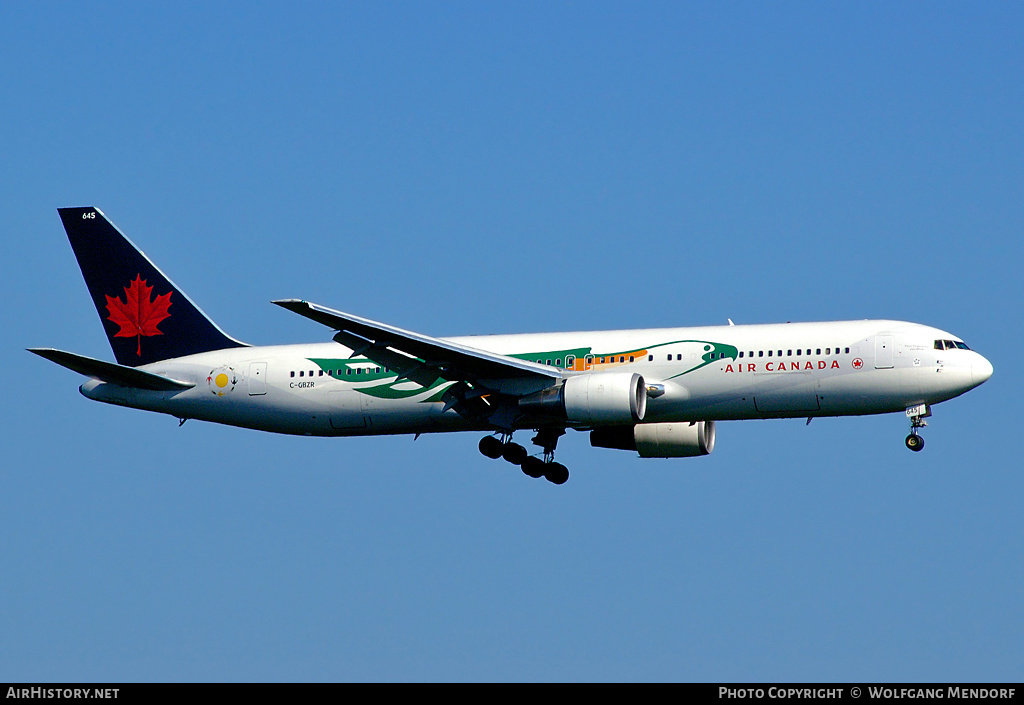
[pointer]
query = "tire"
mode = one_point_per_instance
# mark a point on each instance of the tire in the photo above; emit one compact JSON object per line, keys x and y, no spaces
{"x":491,"y":447}
{"x":514,"y":453}
{"x":556,"y":473}
{"x":533,"y":467}
{"x":915,"y":443}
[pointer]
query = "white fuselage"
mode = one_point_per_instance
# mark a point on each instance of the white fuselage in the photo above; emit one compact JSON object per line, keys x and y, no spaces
{"x":707,"y":373}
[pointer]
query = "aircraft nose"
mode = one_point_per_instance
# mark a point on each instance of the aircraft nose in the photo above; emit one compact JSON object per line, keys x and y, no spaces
{"x":981,"y":370}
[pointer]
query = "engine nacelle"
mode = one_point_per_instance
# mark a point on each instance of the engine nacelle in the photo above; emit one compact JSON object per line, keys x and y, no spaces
{"x":659,"y":440}
{"x":605,"y":398}
{"x":598,"y":399}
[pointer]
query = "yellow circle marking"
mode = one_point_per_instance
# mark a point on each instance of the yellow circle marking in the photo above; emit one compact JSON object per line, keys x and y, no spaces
{"x":222,"y":380}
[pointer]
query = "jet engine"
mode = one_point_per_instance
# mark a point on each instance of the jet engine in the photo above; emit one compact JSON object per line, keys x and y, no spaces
{"x":594,"y":399}
{"x":659,"y":440}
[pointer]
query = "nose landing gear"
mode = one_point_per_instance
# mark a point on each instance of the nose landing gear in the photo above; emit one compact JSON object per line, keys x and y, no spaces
{"x":917,"y":415}
{"x":494,"y":447}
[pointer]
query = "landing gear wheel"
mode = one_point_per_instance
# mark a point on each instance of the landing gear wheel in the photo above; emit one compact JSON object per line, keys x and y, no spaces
{"x":556,"y":473}
{"x":917,"y":415}
{"x":514,"y":453}
{"x":915,"y":442}
{"x":533,"y":467}
{"x":491,"y":447}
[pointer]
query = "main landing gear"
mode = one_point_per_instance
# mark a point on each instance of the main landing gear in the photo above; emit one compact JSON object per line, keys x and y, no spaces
{"x":917,"y":415}
{"x":494,"y":447}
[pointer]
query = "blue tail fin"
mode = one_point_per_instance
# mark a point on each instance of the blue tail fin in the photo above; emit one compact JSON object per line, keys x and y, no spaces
{"x":146,"y":317}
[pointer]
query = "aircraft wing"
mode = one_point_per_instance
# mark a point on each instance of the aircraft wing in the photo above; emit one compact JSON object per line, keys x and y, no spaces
{"x":110,"y":372}
{"x":419,"y":357}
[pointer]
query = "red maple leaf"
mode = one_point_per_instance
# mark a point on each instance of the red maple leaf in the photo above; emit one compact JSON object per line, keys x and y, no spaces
{"x":138,"y":314}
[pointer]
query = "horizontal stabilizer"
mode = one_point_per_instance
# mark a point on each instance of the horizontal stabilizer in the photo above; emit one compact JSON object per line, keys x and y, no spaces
{"x":110,"y":372}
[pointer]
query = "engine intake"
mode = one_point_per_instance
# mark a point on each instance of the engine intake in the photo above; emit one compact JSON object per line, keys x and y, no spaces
{"x":659,"y":440}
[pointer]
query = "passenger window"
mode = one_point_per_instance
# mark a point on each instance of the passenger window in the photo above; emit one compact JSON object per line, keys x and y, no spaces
{"x":769,"y":353}
{"x":293,"y":373}
{"x":741,"y":353}
{"x":301,"y":373}
{"x":760,"y":353}
{"x":828,"y":351}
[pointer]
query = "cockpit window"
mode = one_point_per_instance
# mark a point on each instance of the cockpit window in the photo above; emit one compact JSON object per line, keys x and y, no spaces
{"x":951,"y":345}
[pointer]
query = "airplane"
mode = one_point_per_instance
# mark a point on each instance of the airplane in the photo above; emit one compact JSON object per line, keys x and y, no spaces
{"x":656,"y":392}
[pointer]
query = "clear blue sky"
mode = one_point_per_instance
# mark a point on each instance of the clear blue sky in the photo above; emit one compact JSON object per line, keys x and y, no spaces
{"x":459,"y":168}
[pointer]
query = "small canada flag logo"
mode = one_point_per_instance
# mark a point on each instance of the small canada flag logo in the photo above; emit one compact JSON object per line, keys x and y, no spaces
{"x":138,"y":314}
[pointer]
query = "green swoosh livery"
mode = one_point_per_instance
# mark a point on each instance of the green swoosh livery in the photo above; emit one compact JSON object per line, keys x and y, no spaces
{"x":709,"y":352}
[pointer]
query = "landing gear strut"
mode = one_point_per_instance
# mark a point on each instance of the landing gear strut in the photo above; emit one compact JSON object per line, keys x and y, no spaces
{"x":917,"y":415}
{"x":494,"y":447}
